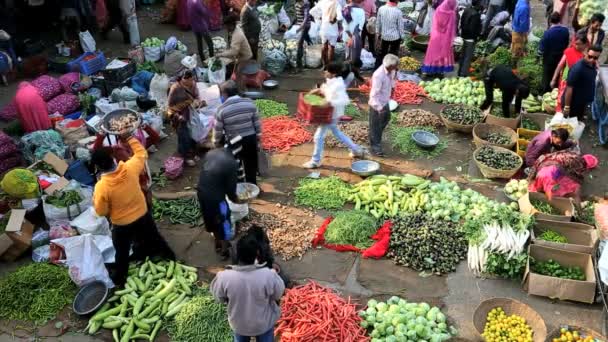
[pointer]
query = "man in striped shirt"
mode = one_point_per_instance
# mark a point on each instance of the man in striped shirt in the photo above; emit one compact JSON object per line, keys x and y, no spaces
{"x":390,"y":29}
{"x":238,"y":116}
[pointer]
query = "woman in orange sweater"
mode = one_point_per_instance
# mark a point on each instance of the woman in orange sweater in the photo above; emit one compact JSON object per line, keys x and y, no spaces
{"x":118,"y":196}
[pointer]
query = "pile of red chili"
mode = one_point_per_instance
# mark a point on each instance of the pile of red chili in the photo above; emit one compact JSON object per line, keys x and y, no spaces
{"x":405,"y":92}
{"x":312,"y":312}
{"x":281,"y":133}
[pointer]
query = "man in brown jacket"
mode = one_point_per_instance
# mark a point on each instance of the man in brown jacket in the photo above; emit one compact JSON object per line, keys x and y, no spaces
{"x":239,"y":51}
{"x":250,"y":22}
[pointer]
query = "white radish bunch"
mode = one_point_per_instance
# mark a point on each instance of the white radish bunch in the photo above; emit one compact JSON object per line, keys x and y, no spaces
{"x":477,"y":258}
{"x":503,"y":239}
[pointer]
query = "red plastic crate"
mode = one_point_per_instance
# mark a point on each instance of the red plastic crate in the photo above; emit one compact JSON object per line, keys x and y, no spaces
{"x":315,"y":115}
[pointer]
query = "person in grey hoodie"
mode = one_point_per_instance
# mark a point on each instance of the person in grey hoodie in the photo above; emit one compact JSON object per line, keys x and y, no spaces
{"x":252,"y":292}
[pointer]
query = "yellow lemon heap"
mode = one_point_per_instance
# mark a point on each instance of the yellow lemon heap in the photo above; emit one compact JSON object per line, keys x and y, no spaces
{"x":570,"y":336}
{"x":502,"y":328}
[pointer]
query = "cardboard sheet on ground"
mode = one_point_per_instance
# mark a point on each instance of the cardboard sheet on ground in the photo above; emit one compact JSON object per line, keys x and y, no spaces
{"x":376,"y":251}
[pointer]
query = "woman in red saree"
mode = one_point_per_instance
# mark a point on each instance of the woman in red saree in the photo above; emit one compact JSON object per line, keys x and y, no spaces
{"x":572,"y":55}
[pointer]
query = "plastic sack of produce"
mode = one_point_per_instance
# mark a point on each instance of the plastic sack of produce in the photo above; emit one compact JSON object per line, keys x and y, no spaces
{"x":90,"y":223}
{"x":601,"y":219}
{"x":48,"y":87}
{"x":174,"y":167}
{"x":20,"y":183}
{"x":219,"y":44}
{"x":41,"y":253}
{"x":37,"y":144}
{"x":72,"y":131}
{"x":40,"y":238}
{"x":84,"y":260}
{"x":60,"y":230}
{"x":217,"y":71}
{"x":291,"y":51}
{"x":87,"y":42}
{"x":67,"y":203}
{"x":368,"y":60}
{"x":283,"y":18}
{"x":274,"y":62}
{"x":153,"y":49}
{"x":377,"y":250}
{"x":292,"y":33}
{"x":136,"y":54}
{"x":313,"y":56}
{"x":313,"y":33}
{"x":159,"y":87}
{"x":68,"y":80}
{"x":63,"y":104}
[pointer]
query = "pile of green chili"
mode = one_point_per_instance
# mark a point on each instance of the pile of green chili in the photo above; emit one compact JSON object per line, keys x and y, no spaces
{"x":324,"y":193}
{"x":201,"y":319}
{"x":35,"y":293}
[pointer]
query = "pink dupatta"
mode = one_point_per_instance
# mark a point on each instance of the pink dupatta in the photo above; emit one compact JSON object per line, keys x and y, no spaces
{"x":439,"y":56}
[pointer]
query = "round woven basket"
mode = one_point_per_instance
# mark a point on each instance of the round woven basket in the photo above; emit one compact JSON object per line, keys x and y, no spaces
{"x":511,"y":307}
{"x":583,"y":332}
{"x":490,"y":172}
{"x":482,"y":130}
{"x":454,"y":126}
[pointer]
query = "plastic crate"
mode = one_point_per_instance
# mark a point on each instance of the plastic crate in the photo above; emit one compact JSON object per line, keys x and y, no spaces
{"x":90,"y":66}
{"x":120,"y":74}
{"x":522,"y":143}
{"x":316,"y":115}
{"x":526,"y":134}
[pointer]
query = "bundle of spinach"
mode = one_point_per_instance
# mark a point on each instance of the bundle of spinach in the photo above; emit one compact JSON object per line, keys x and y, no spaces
{"x":552,"y":268}
{"x":498,"y":265}
{"x":530,"y":68}
{"x":501,"y":56}
{"x":64,"y":199}
{"x":553,"y":236}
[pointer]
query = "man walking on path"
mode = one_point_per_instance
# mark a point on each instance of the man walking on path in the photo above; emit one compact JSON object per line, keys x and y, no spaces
{"x":250,"y":22}
{"x":390,"y":30}
{"x":555,"y":40}
{"x":383,"y":81}
{"x":521,"y":28}
{"x":580,"y":86}
{"x":470,"y":29}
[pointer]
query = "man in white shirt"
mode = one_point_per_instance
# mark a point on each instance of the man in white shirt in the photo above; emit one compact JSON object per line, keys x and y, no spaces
{"x":383,"y":81}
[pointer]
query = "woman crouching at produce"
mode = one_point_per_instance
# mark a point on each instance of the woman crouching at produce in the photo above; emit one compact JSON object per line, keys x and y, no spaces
{"x":251,"y":292}
{"x":217,"y":180}
{"x":118,"y":195}
{"x":561,"y":174}
{"x":183,"y":96}
{"x":334,"y":92}
{"x":546,"y":141}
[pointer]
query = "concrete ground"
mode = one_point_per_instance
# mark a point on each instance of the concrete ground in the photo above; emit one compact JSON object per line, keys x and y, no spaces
{"x":458,"y":293}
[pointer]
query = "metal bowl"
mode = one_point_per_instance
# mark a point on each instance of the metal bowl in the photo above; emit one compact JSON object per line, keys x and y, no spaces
{"x":254,"y":95}
{"x":425,"y":139}
{"x":118,"y":113}
{"x":270,"y":84}
{"x":247,"y":191}
{"x":365,"y":167}
{"x":393,"y":105}
{"x":90,"y":298}
{"x":420,"y":42}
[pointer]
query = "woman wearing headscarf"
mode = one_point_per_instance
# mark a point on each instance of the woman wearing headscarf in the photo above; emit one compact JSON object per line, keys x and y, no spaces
{"x":439,"y":57}
{"x":354,"y":17}
{"x":31,"y":109}
{"x":173,"y":58}
{"x":183,"y":97}
{"x":561,"y":173}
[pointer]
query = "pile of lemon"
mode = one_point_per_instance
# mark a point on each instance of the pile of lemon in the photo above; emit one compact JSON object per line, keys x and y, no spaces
{"x":502,"y":328}
{"x":570,"y":336}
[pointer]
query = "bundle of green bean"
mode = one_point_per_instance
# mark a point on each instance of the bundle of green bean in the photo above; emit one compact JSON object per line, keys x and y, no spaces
{"x":270,"y":108}
{"x":35,"y":293}
{"x":324,"y":193}
{"x":351,"y":228}
{"x":153,"y":292}
{"x":201,"y":319}
{"x":179,"y":211}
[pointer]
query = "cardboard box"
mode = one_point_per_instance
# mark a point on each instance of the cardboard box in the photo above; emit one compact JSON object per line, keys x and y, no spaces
{"x":60,"y":167}
{"x":582,"y":238}
{"x":539,"y":118}
{"x":563,"y":289}
{"x":17,"y":236}
{"x":564,"y":205}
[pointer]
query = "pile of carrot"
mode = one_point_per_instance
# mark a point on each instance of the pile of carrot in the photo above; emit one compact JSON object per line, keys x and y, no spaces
{"x":405,"y":92}
{"x":281,"y":133}
{"x":312,"y":312}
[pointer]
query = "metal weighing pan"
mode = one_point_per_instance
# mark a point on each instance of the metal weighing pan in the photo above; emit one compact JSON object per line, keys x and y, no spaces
{"x":116,"y":114}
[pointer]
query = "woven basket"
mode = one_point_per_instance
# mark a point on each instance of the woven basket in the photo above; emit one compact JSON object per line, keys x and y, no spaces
{"x":583,"y":332}
{"x":511,"y":307}
{"x":490,"y":172}
{"x":480,"y":131}
{"x":453,"y":126}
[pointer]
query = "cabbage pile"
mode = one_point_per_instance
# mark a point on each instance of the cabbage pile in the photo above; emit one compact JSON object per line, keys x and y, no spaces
{"x":515,"y":189}
{"x":153,"y":42}
{"x":449,"y":202}
{"x":461,"y":90}
{"x":397,"y":320}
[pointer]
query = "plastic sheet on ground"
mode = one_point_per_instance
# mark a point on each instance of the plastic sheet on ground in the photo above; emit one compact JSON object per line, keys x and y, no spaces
{"x":86,"y":256}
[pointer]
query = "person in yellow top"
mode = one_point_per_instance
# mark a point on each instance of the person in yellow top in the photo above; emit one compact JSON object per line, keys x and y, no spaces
{"x":118,"y":196}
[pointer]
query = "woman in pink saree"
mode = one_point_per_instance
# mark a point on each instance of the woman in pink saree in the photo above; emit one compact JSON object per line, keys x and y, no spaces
{"x":31,"y":109}
{"x":439,"y":56}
